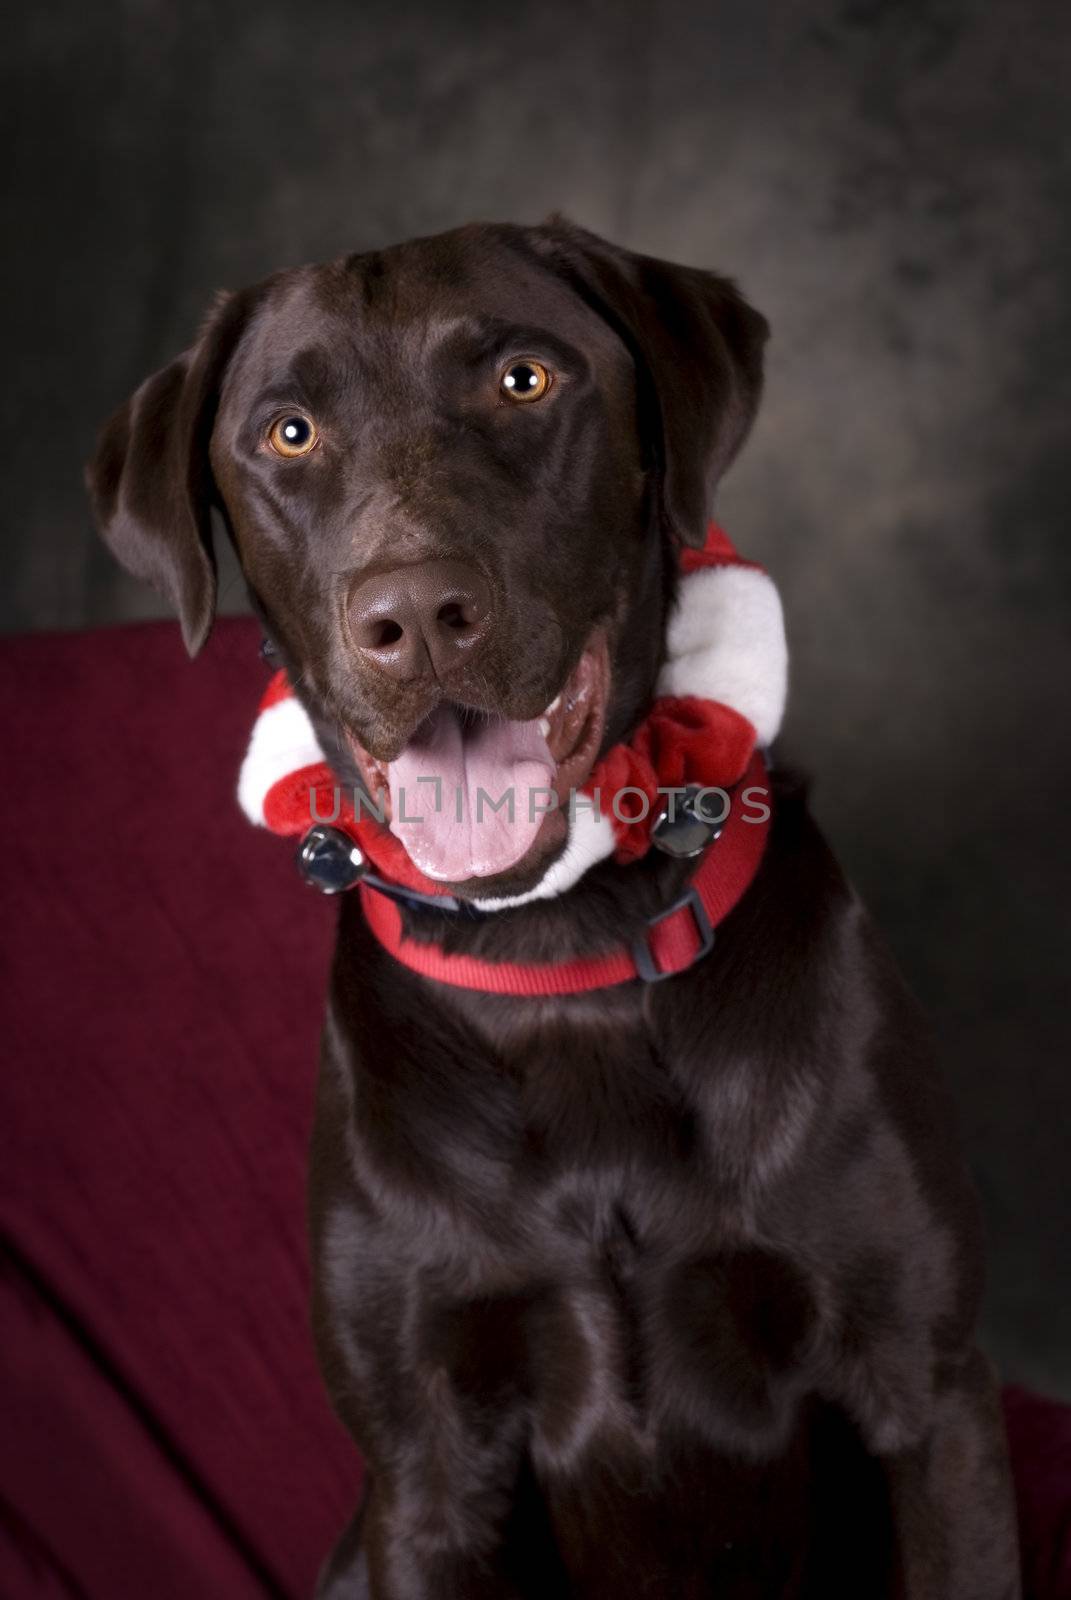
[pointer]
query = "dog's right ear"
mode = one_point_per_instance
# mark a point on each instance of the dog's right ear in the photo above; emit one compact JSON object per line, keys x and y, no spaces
{"x":150,"y":482}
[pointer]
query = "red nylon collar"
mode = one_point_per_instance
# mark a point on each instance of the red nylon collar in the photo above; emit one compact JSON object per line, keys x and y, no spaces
{"x":672,"y":941}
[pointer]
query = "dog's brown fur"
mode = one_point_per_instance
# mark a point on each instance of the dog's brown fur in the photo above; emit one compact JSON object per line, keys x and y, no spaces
{"x":662,"y":1290}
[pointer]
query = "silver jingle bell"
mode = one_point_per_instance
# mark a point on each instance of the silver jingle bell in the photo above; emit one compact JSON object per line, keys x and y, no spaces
{"x":329,"y":860}
{"x":686,"y":827}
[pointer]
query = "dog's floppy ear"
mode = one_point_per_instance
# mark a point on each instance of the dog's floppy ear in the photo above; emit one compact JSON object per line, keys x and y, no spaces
{"x":150,"y":482}
{"x":698,"y":349}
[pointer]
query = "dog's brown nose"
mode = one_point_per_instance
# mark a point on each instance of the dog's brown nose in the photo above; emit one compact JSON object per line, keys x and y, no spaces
{"x":422,"y":619}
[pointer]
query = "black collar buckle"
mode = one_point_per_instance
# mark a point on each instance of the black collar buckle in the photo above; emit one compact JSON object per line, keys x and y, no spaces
{"x":642,"y":953}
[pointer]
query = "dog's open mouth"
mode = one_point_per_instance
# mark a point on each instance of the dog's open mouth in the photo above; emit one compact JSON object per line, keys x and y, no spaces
{"x":475,"y":795}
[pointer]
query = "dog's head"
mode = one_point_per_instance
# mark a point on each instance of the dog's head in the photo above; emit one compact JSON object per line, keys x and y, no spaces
{"x":455,"y":473}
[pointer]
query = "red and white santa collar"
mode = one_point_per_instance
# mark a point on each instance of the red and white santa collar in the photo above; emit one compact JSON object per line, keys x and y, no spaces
{"x":720,"y":696}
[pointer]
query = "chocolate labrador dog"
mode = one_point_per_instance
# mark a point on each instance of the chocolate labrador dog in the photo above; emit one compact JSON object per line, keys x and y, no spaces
{"x":665,"y":1289}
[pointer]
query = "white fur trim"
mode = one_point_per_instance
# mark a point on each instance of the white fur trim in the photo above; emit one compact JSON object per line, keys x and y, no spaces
{"x":726,"y":641}
{"x":283,"y":742}
{"x":591,"y":839}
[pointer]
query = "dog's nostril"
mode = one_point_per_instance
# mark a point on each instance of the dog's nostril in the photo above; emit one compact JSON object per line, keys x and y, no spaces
{"x":384,"y":633}
{"x":452,"y":615}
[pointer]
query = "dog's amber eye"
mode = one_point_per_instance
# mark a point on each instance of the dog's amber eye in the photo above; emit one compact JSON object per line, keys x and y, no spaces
{"x":293,"y":436}
{"x":525,"y":380}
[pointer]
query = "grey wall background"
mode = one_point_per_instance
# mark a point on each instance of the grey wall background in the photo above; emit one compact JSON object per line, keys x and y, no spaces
{"x":889,"y":183}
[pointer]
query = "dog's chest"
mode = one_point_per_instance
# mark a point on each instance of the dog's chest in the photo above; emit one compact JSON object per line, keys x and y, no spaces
{"x":564,"y":1201}
{"x":569,"y":1145}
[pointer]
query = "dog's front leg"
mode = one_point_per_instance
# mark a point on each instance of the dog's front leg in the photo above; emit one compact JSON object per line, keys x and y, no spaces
{"x":419,"y":1536}
{"x":440,"y":1490}
{"x":416,"y":1552}
{"x":951,"y":1495}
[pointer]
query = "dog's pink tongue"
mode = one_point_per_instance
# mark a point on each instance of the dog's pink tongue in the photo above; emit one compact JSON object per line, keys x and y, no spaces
{"x":467,"y":801}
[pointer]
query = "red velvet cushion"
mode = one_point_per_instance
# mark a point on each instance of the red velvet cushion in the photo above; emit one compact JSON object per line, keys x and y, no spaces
{"x":164,"y":1433}
{"x":167,"y":1432}
{"x":1039,"y":1434}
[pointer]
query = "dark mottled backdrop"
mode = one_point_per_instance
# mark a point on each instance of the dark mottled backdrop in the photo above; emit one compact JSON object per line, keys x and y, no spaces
{"x":889,"y":181}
